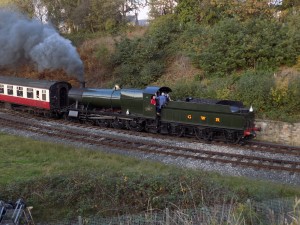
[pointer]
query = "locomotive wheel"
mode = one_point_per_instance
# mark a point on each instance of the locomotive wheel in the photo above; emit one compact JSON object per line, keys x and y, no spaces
{"x":180,"y":131}
{"x":199,"y":133}
{"x":135,"y":125}
{"x":118,"y":124}
{"x":230,"y":136}
{"x":103,"y":123}
{"x":90,"y":122}
{"x":66,"y":117}
{"x":207,"y":134}
{"x":152,"y":126}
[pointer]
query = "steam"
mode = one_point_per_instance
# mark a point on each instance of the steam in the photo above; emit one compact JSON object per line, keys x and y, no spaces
{"x":27,"y":40}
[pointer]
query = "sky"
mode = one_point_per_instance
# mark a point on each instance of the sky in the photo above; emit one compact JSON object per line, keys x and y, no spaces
{"x":143,"y":14}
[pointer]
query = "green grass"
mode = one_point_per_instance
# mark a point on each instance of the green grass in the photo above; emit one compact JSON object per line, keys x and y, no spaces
{"x":68,"y":182}
{"x":22,"y":159}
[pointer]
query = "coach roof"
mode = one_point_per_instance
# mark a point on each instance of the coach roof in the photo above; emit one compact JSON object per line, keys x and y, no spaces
{"x":26,"y":82}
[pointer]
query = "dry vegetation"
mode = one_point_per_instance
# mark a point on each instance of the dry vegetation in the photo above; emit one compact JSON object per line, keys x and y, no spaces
{"x":179,"y":70}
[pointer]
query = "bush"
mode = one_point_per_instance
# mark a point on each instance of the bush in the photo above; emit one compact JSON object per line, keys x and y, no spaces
{"x":214,"y":88}
{"x":253,"y":88}
{"x":285,"y":99}
{"x":78,"y":38}
{"x":142,"y":60}
{"x":232,"y":45}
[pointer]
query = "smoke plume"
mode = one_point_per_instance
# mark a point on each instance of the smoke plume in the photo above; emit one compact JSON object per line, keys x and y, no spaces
{"x":28,"y":40}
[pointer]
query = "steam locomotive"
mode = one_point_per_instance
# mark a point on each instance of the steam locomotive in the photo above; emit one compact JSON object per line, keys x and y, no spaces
{"x":132,"y":109}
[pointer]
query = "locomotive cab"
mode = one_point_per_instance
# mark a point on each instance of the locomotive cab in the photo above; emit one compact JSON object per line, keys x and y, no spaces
{"x":149,"y":109}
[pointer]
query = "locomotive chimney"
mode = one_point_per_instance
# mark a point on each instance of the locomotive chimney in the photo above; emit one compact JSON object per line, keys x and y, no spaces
{"x":82,"y":84}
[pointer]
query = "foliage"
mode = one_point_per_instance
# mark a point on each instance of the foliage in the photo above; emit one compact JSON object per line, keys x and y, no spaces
{"x":141,"y":60}
{"x":232,"y":45}
{"x":285,"y":98}
{"x":161,"y":7}
{"x":218,"y":88}
{"x":203,"y":11}
{"x":253,"y":88}
{"x":82,"y":15}
{"x":290,"y":4}
{"x":292,"y":40}
{"x":24,"y":6}
{"x":79,"y":38}
{"x":211,"y":11}
{"x":103,"y":15}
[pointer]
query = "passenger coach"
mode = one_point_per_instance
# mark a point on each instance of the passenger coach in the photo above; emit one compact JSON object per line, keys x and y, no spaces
{"x":51,"y":96}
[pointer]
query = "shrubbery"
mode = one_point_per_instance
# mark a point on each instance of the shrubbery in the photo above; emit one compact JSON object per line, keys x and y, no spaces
{"x":232,"y":45}
{"x":110,"y":194}
{"x":141,"y":61}
{"x":253,"y":88}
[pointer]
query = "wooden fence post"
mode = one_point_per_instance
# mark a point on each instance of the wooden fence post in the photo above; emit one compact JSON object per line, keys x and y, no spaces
{"x":80,"y":220}
{"x":167,"y":216}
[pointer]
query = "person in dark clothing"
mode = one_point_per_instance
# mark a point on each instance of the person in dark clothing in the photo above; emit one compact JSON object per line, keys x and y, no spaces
{"x":162,"y":100}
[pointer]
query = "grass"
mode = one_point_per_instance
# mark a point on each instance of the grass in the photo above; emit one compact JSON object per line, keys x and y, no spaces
{"x":69,"y":182}
{"x":22,"y":159}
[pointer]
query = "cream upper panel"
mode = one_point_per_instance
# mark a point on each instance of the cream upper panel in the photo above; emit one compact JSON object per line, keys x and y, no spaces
{"x":25,"y":92}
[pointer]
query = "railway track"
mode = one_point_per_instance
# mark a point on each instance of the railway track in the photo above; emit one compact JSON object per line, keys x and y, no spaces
{"x":148,"y":147}
{"x":255,"y":146}
{"x":273,"y":148}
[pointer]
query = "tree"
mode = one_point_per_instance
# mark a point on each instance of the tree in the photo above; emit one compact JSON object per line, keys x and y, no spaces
{"x":290,"y":3}
{"x":25,"y":6}
{"x":59,"y":12}
{"x":213,"y":11}
{"x":5,"y":2}
{"x":162,"y":7}
{"x":91,"y":15}
{"x":132,"y":6}
{"x":233,"y":45}
{"x":103,"y":14}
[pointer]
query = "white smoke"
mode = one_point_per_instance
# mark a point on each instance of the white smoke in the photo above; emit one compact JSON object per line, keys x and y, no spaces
{"x":28,"y":40}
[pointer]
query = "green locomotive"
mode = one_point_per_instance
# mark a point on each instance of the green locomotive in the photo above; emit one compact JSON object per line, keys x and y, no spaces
{"x":133,"y":109}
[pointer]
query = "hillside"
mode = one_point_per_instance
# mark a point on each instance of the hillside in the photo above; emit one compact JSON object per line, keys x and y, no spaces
{"x":253,"y":60}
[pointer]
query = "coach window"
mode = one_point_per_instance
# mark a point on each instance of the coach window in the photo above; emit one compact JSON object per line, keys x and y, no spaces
{"x":1,"y":88}
{"x":29,"y":93}
{"x":20,"y":91}
{"x":10,"y":90}
{"x":44,"y":95}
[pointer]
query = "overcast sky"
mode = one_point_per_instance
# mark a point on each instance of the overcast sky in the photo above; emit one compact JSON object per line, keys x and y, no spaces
{"x":143,"y":14}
